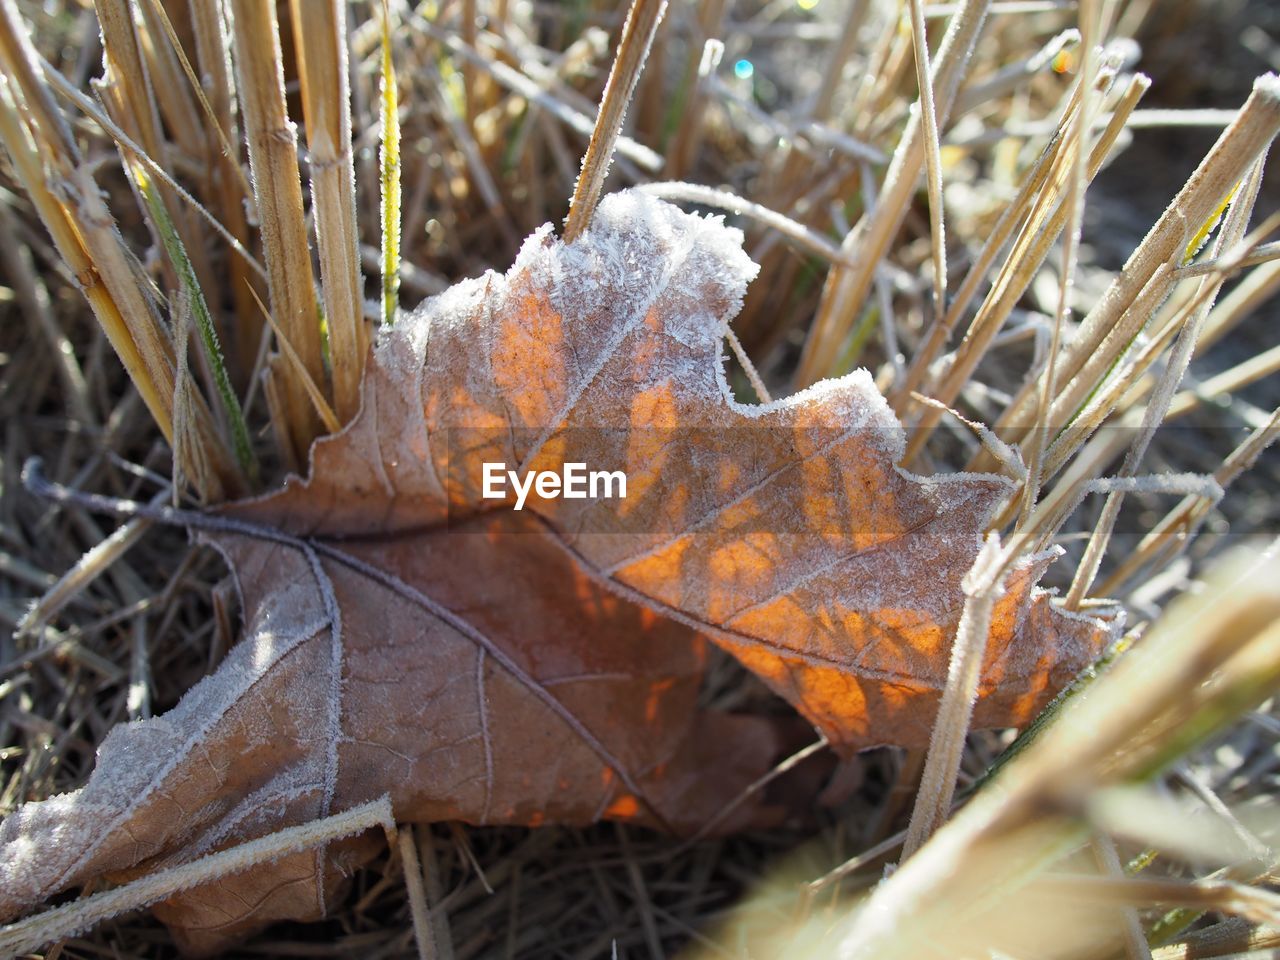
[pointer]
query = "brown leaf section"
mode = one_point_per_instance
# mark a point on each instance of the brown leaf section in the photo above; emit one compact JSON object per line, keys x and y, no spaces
{"x":391,"y":665}
{"x":406,"y":635}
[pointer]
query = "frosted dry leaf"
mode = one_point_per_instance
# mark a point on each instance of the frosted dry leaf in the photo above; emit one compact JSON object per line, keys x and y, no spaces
{"x":406,"y":635}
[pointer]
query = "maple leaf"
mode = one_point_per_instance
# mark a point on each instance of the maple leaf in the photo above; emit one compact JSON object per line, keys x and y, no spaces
{"x":407,"y":634}
{"x":785,"y":532}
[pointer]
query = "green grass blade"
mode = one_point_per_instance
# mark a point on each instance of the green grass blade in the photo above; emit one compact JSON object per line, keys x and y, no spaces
{"x":177,"y":253}
{"x":389,"y":162}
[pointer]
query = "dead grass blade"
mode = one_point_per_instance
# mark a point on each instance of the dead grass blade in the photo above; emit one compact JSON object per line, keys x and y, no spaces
{"x":228,"y":189}
{"x":845,"y":291}
{"x":48,"y":164}
{"x":932,"y":155}
{"x":320,"y":36}
{"x":273,"y":159}
{"x":419,"y":912}
{"x":683,"y":147}
{"x":633,"y":47}
{"x":33,"y":296}
{"x":1077,"y":183}
{"x":1180,"y":357}
{"x":1044,"y":223}
{"x":128,"y":93}
{"x":290,"y":357}
{"x":982,"y":586}
{"x":136,"y":157}
{"x":1173,"y":533}
{"x":1165,"y":247}
{"x":529,"y":89}
{"x":1014,"y":214}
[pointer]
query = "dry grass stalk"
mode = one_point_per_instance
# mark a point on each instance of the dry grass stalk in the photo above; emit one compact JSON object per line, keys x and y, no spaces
{"x":1172,"y":534}
{"x":1227,"y":382}
{"x":841,"y":52}
{"x":1165,"y":245}
{"x":682,"y":150}
{"x":186,"y":444}
{"x":288,"y":355}
{"x":1249,"y":903}
{"x":1123,"y":390}
{"x":170,"y":76}
{"x":91,"y":565}
{"x":1232,"y":232}
{"x":132,"y":105}
{"x":127,"y":91}
{"x":1266,"y":253}
{"x":529,"y":89}
{"x":70,"y":203}
{"x":1244,"y":299}
{"x":1135,"y":940}
{"x":431,"y":873}
{"x":141,"y":167}
{"x":1077,"y":180}
{"x":33,"y":295}
{"x":1103,"y":402}
{"x":932,"y":155}
{"x":419,"y":912}
{"x":1061,"y":501}
{"x":470,"y":76}
{"x":1124,"y":393}
{"x":1039,"y":232}
{"x":983,"y":586}
{"x":845,"y":291}
{"x":1007,"y":79}
{"x":273,"y":158}
{"x":633,"y":47}
{"x":940,"y":329}
{"x":320,"y":35}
